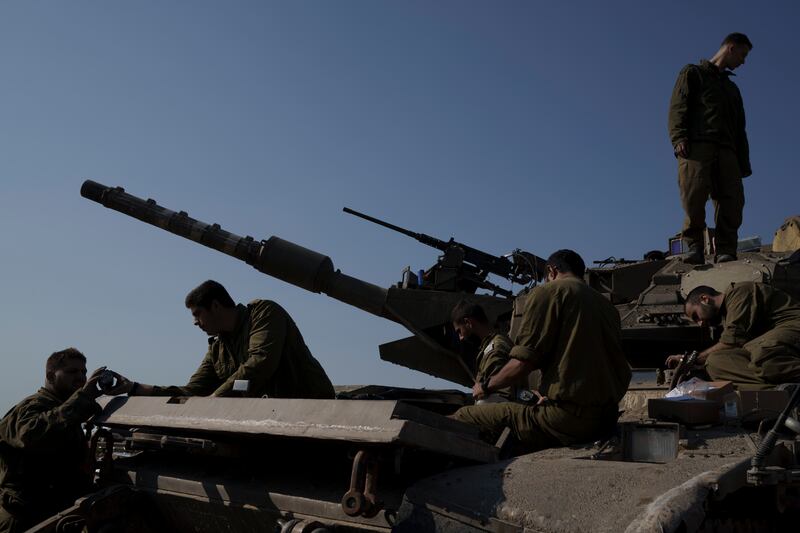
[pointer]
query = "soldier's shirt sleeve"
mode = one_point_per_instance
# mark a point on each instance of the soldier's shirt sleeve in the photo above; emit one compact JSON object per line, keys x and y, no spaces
{"x":34,"y":426}
{"x":538,"y":333}
{"x":494,"y":359}
{"x":205,"y":378}
{"x":743,"y":155}
{"x":678,"y":118}
{"x":202,"y":383}
{"x":742,"y":144}
{"x":741,"y":309}
{"x":268,"y":328}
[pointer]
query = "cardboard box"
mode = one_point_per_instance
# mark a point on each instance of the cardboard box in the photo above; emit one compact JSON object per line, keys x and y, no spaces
{"x":717,"y":394}
{"x":689,"y":412}
{"x":755,"y":405}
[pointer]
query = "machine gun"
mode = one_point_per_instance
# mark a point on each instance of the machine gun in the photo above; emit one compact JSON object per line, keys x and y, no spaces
{"x":462,"y":268}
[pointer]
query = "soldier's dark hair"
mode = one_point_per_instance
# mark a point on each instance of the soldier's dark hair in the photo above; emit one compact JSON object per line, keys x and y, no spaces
{"x":466,"y":309}
{"x":694,"y":295}
{"x":567,"y":261}
{"x":59,"y":359}
{"x":204,"y":295}
{"x":738,"y":38}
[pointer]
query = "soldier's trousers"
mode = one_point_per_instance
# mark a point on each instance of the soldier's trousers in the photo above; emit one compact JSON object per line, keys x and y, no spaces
{"x":764,"y":362}
{"x":711,"y":171}
{"x":11,"y":524}
{"x":16,"y":517}
{"x":538,"y":427}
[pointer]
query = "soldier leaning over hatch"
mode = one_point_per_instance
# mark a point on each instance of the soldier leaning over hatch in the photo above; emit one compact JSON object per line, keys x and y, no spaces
{"x":707,"y":130}
{"x":472,"y":325}
{"x":572,"y":333}
{"x":44,"y":454}
{"x":258,"y":342}
{"x":760,"y":342}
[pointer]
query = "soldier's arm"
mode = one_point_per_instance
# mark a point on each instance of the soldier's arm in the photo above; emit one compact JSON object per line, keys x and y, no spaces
{"x":678,"y":119}
{"x":743,"y":155}
{"x":535,"y":342}
{"x":741,"y":313}
{"x":702,"y":356}
{"x":674,"y":360}
{"x":538,"y":333}
{"x":34,"y":425}
{"x":495,"y":359}
{"x":202,"y":383}
{"x":510,"y":374}
{"x":267,"y":336}
{"x":204,"y":380}
{"x":743,"y":151}
{"x":495,"y":363}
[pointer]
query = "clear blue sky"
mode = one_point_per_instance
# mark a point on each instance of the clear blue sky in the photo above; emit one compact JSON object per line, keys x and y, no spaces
{"x":537,"y":125}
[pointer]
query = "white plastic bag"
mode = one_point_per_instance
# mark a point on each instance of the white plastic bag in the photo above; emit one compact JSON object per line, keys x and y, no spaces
{"x":691,"y":389}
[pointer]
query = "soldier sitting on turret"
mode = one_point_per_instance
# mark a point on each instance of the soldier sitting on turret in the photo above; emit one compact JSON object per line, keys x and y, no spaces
{"x":760,"y":342}
{"x":471,"y":324}
{"x":258,"y":342}
{"x":572,"y":333}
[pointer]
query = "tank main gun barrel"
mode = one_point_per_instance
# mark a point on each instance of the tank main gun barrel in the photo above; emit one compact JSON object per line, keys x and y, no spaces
{"x":275,"y":257}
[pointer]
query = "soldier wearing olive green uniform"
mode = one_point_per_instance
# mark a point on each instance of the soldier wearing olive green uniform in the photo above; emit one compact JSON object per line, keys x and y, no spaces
{"x":44,"y":457}
{"x":492,"y":356}
{"x":265,"y":348}
{"x":471,"y":325}
{"x":572,"y":334}
{"x":761,"y":328}
{"x":707,"y":131}
{"x":44,"y":454}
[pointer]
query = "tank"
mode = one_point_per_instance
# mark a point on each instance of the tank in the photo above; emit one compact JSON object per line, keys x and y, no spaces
{"x":388,"y":459}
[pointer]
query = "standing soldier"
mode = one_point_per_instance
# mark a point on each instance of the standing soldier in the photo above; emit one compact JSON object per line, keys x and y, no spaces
{"x":707,"y":130}
{"x":44,"y":454}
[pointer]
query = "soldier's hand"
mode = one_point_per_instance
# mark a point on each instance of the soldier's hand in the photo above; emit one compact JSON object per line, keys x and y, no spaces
{"x":540,"y":398}
{"x":673,"y":361}
{"x":682,"y":149}
{"x":122,"y":385}
{"x":91,"y":388}
{"x":477,"y":391}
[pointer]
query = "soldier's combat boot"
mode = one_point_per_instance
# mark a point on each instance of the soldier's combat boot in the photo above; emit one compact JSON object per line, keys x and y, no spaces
{"x":724,"y":258}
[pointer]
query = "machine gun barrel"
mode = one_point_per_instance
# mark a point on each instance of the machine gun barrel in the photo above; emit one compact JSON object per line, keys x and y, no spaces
{"x":433,"y":242}
{"x":486,"y":262}
{"x":275,"y":257}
